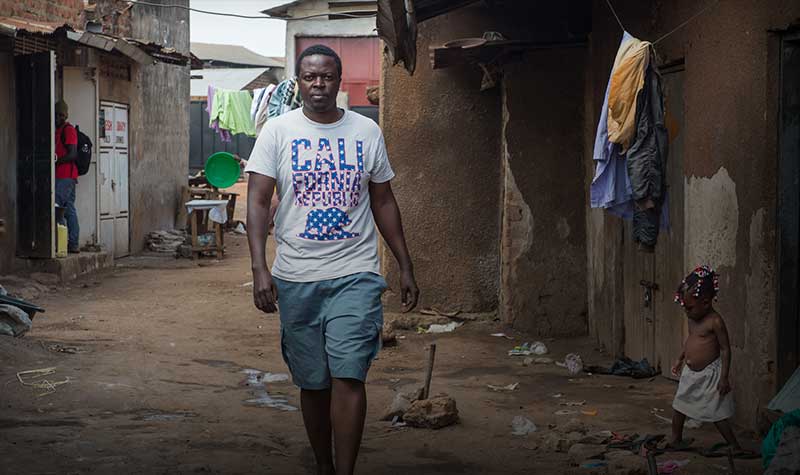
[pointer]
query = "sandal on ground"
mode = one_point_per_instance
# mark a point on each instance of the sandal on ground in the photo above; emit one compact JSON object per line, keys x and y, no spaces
{"x":684,"y":445}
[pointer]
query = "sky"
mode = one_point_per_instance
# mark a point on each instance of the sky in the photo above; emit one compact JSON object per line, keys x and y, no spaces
{"x":266,"y":37}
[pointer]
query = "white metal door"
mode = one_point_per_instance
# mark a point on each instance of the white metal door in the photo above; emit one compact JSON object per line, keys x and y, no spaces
{"x":114,"y":222}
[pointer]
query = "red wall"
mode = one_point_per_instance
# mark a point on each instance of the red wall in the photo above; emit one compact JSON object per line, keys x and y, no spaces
{"x":361,"y":63}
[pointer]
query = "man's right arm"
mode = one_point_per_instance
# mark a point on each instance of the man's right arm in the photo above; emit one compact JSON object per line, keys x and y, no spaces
{"x":259,"y":196}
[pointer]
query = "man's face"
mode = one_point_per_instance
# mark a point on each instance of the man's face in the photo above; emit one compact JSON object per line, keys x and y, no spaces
{"x":61,"y":119}
{"x":319,"y":82}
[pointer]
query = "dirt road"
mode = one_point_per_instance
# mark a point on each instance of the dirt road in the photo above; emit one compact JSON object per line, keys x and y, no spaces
{"x":172,"y":370}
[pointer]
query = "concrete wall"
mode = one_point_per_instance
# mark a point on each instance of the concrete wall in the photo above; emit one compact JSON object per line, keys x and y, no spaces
{"x":320,"y":26}
{"x":159,"y":124}
{"x":544,"y":228}
{"x":443,"y":138}
{"x":730,"y":163}
{"x":8,"y":159}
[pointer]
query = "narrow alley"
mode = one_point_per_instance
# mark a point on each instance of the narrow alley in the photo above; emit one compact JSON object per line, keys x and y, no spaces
{"x":172,"y":370}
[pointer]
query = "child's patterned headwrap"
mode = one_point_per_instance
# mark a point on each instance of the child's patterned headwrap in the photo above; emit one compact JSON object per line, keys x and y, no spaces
{"x":700,"y":277}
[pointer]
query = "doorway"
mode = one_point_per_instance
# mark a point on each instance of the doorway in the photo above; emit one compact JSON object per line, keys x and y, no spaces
{"x":114,"y":230}
{"x":654,"y":325}
{"x":80,"y":92}
{"x":35,"y":84}
{"x":788,"y":327}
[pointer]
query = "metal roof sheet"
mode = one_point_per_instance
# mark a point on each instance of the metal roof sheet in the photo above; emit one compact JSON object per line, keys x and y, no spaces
{"x":234,"y":54}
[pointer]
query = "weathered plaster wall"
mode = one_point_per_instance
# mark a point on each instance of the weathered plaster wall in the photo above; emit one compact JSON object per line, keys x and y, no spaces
{"x":8,"y":159}
{"x":159,"y":124}
{"x":730,"y":160}
{"x":443,"y":138}
{"x":543,"y":285}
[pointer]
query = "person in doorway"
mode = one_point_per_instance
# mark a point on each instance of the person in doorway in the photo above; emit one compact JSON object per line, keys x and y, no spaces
{"x":704,"y":366}
{"x":333,"y":177}
{"x":67,"y":173}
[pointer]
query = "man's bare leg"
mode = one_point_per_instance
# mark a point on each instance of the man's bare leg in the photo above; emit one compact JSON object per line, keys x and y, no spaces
{"x":348,"y":410}
{"x":316,"y":407}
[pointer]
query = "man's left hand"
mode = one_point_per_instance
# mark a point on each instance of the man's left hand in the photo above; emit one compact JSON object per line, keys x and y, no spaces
{"x":409,"y":291}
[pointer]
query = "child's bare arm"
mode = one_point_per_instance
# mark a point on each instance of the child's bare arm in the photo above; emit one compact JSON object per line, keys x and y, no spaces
{"x":721,"y":332}
{"x":676,"y":367}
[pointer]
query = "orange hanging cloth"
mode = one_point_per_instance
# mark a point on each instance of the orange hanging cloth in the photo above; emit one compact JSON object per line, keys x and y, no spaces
{"x":627,"y":79}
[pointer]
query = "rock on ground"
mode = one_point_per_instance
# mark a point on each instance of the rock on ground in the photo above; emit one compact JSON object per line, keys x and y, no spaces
{"x":623,"y":462}
{"x":560,"y":442}
{"x":579,"y":453}
{"x":433,"y":413}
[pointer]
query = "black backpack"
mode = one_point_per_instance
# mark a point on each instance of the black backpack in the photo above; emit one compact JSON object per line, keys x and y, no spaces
{"x":84,"y":149}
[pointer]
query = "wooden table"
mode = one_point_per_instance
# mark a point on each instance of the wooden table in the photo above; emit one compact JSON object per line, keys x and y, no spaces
{"x":199,"y":217}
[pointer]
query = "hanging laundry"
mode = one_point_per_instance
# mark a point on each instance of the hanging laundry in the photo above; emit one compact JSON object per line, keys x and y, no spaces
{"x":611,"y":188}
{"x":629,"y":177}
{"x":258,"y":95}
{"x":232,"y":110}
{"x":647,"y":160}
{"x":284,"y":98}
{"x":627,"y":79}
{"x":261,"y":112}
{"x":224,"y":135}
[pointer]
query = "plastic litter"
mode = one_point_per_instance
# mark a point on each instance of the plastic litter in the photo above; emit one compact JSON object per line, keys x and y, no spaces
{"x":240,"y":229}
{"x":670,"y":466}
{"x":526,"y":349}
{"x":443,"y":328}
{"x":573,"y":363}
{"x":502,"y":335}
{"x":589,"y":412}
{"x":598,"y":464}
{"x":521,"y":425}
{"x":508,"y":387}
{"x":573,"y":403}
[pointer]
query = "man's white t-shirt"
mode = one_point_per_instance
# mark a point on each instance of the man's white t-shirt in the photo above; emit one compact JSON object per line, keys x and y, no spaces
{"x":324,"y":225}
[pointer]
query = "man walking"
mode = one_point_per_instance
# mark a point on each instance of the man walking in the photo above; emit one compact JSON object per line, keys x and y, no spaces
{"x":67,"y":173}
{"x":332,"y":174}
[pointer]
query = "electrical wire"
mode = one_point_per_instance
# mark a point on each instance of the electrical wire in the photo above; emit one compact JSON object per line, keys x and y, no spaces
{"x":250,"y":17}
{"x":687,"y":21}
{"x":615,"y":15}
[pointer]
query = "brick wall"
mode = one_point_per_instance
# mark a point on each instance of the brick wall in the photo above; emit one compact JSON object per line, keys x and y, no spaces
{"x":66,"y":11}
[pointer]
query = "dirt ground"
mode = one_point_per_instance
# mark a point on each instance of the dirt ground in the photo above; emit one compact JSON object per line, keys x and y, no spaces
{"x":166,"y":361}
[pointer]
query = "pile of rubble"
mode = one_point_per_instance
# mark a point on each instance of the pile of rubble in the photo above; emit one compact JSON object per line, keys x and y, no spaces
{"x":166,"y":242}
{"x":14,"y":319}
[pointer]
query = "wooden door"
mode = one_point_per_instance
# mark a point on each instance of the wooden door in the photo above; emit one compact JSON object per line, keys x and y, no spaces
{"x":670,"y":320}
{"x":639,"y":273}
{"x":654,"y":325}
{"x":35,"y":155}
{"x":788,"y":324}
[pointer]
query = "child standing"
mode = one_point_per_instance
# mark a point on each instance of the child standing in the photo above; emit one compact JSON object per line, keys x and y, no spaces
{"x":704,"y":365}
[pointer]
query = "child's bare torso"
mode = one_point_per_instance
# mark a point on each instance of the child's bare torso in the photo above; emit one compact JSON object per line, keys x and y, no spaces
{"x":702,"y":347}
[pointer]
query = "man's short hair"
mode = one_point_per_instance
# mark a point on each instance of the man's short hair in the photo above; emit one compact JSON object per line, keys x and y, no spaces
{"x":318,"y":49}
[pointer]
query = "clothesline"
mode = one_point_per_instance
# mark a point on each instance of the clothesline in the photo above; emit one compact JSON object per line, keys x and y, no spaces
{"x":707,"y":7}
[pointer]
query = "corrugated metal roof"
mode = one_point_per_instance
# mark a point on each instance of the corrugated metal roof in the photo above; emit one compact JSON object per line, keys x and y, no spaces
{"x":234,"y":54}
{"x":11,"y":25}
{"x":233,"y":78}
{"x":282,"y":10}
{"x":134,"y":49}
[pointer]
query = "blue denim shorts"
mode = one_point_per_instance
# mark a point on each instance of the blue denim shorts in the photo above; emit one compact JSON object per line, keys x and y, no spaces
{"x":331,"y":328}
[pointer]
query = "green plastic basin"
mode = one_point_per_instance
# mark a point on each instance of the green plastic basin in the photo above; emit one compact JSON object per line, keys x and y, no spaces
{"x":222,"y":170}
